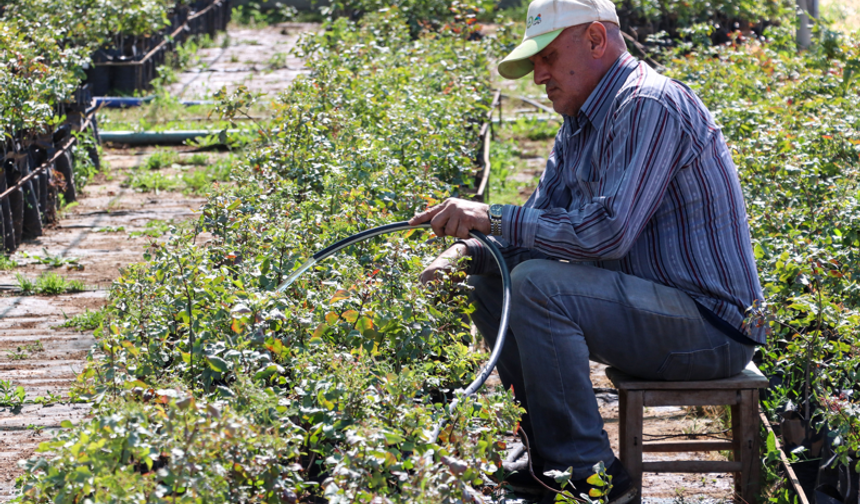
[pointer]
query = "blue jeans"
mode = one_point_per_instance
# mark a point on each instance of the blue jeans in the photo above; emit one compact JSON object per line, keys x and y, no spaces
{"x":564,"y":314}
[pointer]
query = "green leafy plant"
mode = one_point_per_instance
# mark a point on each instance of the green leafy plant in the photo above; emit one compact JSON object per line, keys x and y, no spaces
{"x":49,"y":284}
{"x":161,"y":158}
{"x":144,"y":180}
{"x":110,"y":229}
{"x":11,"y":395}
{"x":153,"y":229}
{"x":7,"y":263}
{"x":86,"y":321}
{"x":54,"y":261}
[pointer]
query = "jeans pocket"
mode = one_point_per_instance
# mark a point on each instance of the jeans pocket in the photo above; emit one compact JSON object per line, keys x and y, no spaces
{"x":707,"y":364}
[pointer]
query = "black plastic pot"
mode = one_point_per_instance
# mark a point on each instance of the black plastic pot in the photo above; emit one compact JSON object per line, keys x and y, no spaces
{"x":8,"y":231}
{"x":16,"y":205}
{"x":31,"y":219}
{"x":64,"y":168}
{"x":125,"y":79}
{"x":98,"y":78}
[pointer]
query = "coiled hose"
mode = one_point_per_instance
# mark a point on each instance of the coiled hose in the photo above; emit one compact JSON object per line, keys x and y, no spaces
{"x":404,"y":226}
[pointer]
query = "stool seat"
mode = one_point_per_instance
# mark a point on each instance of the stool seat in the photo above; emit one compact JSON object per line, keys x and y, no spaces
{"x":739,"y":391}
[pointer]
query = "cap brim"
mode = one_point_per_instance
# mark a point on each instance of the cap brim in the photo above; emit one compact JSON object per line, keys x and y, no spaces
{"x":517,"y":64}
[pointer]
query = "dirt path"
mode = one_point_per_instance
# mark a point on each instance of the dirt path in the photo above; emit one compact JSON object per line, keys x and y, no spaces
{"x":25,"y":320}
{"x":256,"y":58}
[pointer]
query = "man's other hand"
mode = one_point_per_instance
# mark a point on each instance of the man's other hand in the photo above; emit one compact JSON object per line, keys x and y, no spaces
{"x":446,"y":261}
{"x":455,"y":217}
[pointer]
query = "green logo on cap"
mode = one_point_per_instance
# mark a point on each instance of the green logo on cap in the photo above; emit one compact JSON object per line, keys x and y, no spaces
{"x":531,"y":21}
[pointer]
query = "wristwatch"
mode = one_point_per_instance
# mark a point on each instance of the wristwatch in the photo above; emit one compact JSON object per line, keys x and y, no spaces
{"x":495,"y":214}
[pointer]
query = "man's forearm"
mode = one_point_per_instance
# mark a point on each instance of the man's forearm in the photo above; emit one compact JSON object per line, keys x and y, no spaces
{"x":446,"y":261}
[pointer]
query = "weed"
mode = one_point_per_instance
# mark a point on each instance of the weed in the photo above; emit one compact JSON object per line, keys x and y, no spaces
{"x":86,"y":321}
{"x":26,"y":285}
{"x":34,"y":347}
{"x":17,"y":354}
{"x":149,"y":181}
{"x":278,"y":60}
{"x":53,"y":261}
{"x":7,"y":263}
{"x":200,"y":181}
{"x":534,"y":129}
{"x":11,"y":395}
{"x":37,"y":429}
{"x":110,"y":229}
{"x":161,"y":158}
{"x":48,"y":284}
{"x":197,"y":159}
{"x":153,"y":229}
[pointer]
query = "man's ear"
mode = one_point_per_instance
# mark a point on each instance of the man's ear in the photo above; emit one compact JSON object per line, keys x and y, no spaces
{"x":597,"y":38}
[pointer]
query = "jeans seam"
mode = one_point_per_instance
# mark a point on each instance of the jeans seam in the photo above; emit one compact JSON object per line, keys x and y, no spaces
{"x":697,"y":317}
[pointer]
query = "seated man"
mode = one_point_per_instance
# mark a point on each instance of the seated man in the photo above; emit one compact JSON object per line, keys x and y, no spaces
{"x":634,"y":251}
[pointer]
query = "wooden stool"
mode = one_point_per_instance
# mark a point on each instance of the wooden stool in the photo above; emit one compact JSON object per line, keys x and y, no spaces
{"x":740,"y":391}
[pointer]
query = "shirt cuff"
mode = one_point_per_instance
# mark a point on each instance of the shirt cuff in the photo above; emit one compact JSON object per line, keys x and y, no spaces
{"x":478,"y":254}
{"x":519,"y":225}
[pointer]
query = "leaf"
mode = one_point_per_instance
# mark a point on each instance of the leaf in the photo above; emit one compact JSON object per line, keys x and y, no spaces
{"x":218,"y":364}
{"x":350,"y":316}
{"x":237,"y":326}
{"x":595,"y":480}
{"x":66,"y":424}
{"x":340,"y":295}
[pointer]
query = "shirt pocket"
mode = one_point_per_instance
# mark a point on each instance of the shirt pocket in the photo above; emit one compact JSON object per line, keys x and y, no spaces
{"x":707,"y":364}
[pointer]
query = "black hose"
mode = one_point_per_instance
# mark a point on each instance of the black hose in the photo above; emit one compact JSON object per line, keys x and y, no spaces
{"x":506,"y":297}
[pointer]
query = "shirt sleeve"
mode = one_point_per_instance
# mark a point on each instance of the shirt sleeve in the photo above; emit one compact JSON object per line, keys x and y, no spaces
{"x":643,"y":148}
{"x":481,"y":260}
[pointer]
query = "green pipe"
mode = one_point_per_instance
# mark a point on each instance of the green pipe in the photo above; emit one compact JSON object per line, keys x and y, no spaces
{"x":158,"y":137}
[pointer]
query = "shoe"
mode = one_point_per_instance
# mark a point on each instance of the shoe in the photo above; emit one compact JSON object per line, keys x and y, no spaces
{"x":518,"y":478}
{"x":623,"y":489}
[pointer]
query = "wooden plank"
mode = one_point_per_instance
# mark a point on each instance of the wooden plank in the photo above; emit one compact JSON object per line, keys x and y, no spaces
{"x":630,"y":436}
{"x":687,"y":446}
{"x":692,"y":466}
{"x":747,"y":482}
{"x":789,"y":472}
{"x":690,"y":397}
{"x":749,"y":378}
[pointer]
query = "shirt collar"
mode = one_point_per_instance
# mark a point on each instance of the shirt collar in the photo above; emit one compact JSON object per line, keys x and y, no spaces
{"x":595,"y":107}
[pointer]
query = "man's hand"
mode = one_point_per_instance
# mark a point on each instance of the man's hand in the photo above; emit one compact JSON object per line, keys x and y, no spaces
{"x":446,"y":261}
{"x":455,"y":217}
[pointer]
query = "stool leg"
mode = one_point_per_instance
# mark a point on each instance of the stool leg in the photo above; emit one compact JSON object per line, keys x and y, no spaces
{"x":630,"y":436}
{"x":745,"y":432}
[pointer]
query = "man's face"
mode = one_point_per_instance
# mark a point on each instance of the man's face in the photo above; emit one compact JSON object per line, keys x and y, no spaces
{"x":568,"y":70}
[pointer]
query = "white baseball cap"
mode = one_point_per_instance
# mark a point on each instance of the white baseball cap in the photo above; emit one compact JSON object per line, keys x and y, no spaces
{"x":545,"y":20}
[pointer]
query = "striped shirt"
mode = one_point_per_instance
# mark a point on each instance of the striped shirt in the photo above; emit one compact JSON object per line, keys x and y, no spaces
{"x":641,"y":181}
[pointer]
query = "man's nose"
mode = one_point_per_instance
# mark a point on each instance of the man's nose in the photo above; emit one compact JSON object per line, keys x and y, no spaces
{"x":541,"y":73}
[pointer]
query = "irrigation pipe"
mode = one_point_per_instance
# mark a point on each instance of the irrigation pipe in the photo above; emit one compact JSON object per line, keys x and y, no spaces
{"x":158,"y":137}
{"x":404,"y":226}
{"x":127,"y":102}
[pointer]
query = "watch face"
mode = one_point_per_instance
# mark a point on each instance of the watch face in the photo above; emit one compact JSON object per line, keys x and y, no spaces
{"x":496,"y":210}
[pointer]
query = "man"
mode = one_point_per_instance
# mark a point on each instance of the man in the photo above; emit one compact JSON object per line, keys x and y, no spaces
{"x":634,"y":250}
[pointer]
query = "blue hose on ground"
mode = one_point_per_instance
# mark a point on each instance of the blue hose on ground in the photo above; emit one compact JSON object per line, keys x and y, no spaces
{"x":404,"y":226}
{"x":126,"y":102}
